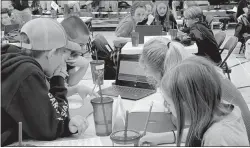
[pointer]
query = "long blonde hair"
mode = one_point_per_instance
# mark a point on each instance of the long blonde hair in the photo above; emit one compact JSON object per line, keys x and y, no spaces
{"x":195,"y":83}
{"x":161,"y":54}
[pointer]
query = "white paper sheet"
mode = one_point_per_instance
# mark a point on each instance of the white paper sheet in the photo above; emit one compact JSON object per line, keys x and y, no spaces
{"x":143,"y":105}
{"x":78,"y":142}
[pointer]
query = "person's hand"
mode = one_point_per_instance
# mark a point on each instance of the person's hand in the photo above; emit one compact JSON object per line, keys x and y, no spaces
{"x":150,"y":19}
{"x":83,"y":91}
{"x":80,"y":61}
{"x":148,"y":140}
{"x":61,"y":70}
{"x":78,"y":124}
{"x":185,"y":37}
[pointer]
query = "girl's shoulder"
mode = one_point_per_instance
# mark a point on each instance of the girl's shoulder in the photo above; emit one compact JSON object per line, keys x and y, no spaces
{"x":229,"y":131}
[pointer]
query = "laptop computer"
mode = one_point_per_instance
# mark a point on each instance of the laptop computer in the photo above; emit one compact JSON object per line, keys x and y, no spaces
{"x":10,"y":28}
{"x":131,"y":81}
{"x":145,"y":30}
{"x":159,"y":122}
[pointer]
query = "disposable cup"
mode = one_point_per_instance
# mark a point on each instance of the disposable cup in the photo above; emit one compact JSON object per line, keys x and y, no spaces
{"x":103,"y":110}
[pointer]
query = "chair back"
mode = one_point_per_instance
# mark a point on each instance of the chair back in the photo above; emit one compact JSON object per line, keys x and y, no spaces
{"x":209,"y":19}
{"x":220,"y":37}
{"x":230,"y":46}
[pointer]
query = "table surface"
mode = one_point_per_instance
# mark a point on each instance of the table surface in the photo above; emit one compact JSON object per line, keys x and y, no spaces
{"x":84,"y":19}
{"x":129,"y":49}
{"x":89,"y":138}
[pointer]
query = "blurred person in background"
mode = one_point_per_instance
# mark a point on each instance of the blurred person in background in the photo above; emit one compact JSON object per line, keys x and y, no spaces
{"x":21,"y":12}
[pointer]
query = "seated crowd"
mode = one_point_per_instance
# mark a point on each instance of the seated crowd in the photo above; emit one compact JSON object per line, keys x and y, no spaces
{"x":37,"y":77}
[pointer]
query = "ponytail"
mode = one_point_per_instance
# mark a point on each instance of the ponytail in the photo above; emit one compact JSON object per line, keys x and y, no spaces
{"x":174,"y":55}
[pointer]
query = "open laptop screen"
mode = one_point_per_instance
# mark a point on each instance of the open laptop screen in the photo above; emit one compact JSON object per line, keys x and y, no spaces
{"x":131,"y":71}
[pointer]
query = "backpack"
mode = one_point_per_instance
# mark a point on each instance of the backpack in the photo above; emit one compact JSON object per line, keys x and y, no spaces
{"x":103,"y":50}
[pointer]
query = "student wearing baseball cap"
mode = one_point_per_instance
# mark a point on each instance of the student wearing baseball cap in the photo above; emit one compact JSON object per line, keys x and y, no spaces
{"x":25,"y":96}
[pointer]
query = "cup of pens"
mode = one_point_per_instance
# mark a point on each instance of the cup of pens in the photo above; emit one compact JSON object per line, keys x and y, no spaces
{"x":129,"y":137}
{"x":125,"y":137}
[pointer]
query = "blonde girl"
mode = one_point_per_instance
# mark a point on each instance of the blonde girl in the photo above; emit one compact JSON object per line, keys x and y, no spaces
{"x":159,"y":56}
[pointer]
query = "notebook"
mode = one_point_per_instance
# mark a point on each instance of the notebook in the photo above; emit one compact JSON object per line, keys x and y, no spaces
{"x":10,"y":28}
{"x":131,"y":80}
{"x":159,"y":122}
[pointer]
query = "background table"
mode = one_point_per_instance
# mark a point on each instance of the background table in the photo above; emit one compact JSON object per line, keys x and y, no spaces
{"x":84,"y":19}
{"x":129,"y":49}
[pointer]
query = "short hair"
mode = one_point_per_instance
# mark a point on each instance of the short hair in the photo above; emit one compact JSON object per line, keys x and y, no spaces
{"x":135,"y":5}
{"x":193,"y":13}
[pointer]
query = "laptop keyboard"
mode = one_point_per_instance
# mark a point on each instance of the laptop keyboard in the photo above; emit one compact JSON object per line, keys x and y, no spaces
{"x":127,"y":92}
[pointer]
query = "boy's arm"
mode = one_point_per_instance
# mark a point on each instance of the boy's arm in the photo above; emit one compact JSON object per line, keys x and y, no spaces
{"x":76,"y":76}
{"x":44,"y":112}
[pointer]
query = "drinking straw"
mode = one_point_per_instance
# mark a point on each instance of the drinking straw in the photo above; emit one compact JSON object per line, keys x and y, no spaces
{"x":20,"y":134}
{"x":96,"y":55}
{"x":103,"y":110}
{"x":126,"y":126}
{"x":146,"y":125}
{"x":93,"y":90}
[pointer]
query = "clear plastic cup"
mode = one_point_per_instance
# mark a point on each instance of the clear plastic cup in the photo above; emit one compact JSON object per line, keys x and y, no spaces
{"x":173,"y":33}
{"x":119,"y":139}
{"x":135,"y":39}
{"x":103,"y":115}
{"x":97,"y":70}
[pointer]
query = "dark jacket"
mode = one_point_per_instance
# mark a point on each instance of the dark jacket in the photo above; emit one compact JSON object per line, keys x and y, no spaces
{"x":144,"y":22}
{"x":242,"y":4}
{"x":204,"y":38}
{"x":26,"y":98}
{"x":20,"y":4}
{"x":242,"y":27}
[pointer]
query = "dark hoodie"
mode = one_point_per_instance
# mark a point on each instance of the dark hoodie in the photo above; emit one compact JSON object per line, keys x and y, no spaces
{"x":204,"y":37}
{"x":26,"y":98}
